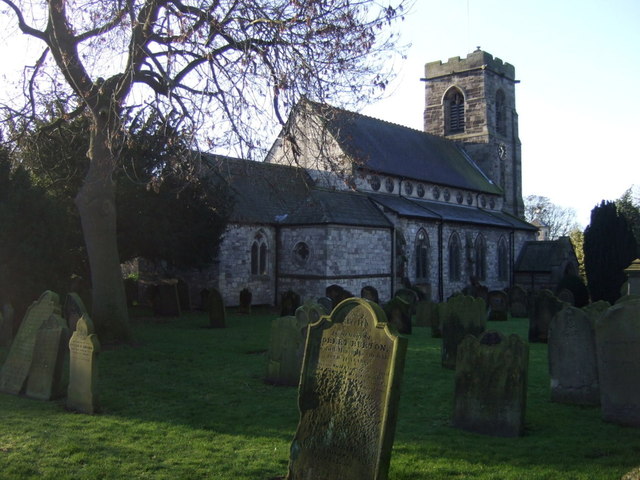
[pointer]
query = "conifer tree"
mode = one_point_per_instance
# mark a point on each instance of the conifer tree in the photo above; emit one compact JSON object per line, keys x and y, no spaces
{"x":609,"y":248}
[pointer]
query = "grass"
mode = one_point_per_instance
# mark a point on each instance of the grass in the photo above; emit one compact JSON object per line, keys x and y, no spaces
{"x":189,"y":403}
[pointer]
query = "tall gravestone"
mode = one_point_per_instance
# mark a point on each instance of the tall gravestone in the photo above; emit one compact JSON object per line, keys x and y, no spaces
{"x":283,"y":361}
{"x":217,"y":311}
{"x":289,"y":303}
{"x":398,"y":311}
{"x":49,"y":353}
{"x":518,"y":302}
{"x":348,"y":398}
{"x":498,"y":303}
{"x":462,"y":315}
{"x":73,"y":309}
{"x":6,"y":328}
{"x":544,"y":306}
{"x":370,"y":293}
{"x":491,"y":385}
{"x":15,"y":370}
{"x":618,"y":352}
{"x":83,"y":368}
{"x":573,"y":368}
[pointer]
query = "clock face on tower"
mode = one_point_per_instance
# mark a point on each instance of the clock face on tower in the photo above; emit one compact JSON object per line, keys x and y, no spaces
{"x":502,"y":151}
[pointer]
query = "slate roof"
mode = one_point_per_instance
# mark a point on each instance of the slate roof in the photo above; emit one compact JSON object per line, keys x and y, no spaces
{"x":541,"y":256}
{"x":267,"y":193}
{"x":387,"y":148}
{"x":425,"y":209}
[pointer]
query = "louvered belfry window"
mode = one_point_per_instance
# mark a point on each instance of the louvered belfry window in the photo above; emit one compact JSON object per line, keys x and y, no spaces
{"x":455,"y":111}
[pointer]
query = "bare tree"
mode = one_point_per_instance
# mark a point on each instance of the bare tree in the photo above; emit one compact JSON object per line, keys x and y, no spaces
{"x":560,"y":221}
{"x":230,"y":65}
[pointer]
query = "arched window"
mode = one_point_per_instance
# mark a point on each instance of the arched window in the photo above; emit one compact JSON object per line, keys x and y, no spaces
{"x":501,"y":113}
{"x":503,"y":260}
{"x":480,"y":258}
{"x":401,"y":257}
{"x":259,"y":253}
{"x":454,"y":258}
{"x":422,"y":256}
{"x":454,"y":111}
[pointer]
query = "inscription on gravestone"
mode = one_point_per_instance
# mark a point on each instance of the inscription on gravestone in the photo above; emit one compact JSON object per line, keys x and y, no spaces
{"x":348,"y":398}
{"x":83,"y":368}
{"x":45,"y":375}
{"x":15,"y":370}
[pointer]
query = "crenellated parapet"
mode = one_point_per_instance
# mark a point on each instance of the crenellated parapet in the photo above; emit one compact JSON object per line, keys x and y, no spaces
{"x":478,"y":60}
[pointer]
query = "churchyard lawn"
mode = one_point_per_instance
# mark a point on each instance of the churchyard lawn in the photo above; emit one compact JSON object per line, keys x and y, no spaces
{"x":189,"y":402}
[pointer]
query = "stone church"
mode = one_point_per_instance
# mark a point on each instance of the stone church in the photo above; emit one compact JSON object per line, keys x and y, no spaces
{"x":343,"y":198}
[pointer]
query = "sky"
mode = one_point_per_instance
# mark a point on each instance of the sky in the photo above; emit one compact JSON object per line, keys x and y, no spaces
{"x":578,"y":63}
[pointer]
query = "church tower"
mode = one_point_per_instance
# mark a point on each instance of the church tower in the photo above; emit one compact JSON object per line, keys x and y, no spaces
{"x":473,"y":101}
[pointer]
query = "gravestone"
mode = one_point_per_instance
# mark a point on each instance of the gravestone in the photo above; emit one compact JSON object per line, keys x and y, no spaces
{"x":596,"y":310}
{"x":289,"y":303}
{"x":335,"y":293}
{"x":348,"y":397}
{"x":15,"y":370}
{"x":83,"y":368}
{"x":426,"y":310}
{"x":398,"y":311}
{"x":565,"y":295}
{"x":491,"y":385}
{"x":460,"y":316}
{"x":618,"y":353}
{"x":573,"y":368}
{"x":184,"y":298}
{"x":73,"y":309}
{"x":370,"y":293}
{"x":518,"y":302}
{"x":309,"y":313}
{"x":498,"y":306}
{"x":326,"y":303}
{"x":283,"y":360}
{"x":545,"y":305}
{"x":49,"y":353}
{"x":6,"y":325}
{"x":246,"y":298}
{"x":131,"y":291}
{"x":165,"y":299}
{"x":217,"y":312}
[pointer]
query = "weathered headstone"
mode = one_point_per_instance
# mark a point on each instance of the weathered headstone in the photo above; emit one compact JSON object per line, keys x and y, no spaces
{"x":83,"y":368}
{"x":15,"y":370}
{"x":184,"y":298}
{"x":398,"y":311}
{"x":370,"y":293}
{"x":49,"y":353}
{"x":573,"y":367}
{"x":460,"y":316}
{"x":498,"y":306}
{"x":596,"y":310}
{"x":335,"y":293}
{"x":426,"y":310}
{"x":348,"y":398}
{"x":6,"y":325}
{"x":217,"y":312}
{"x":326,"y":303}
{"x":308,"y":313}
{"x":545,"y":306}
{"x":283,"y":360}
{"x":618,"y":353}
{"x":289,"y":303}
{"x":131,"y":290}
{"x":246,"y":297}
{"x":518,"y":302}
{"x":165,"y":300}
{"x":491,"y":385}
{"x":73,"y":309}
{"x":565,"y":295}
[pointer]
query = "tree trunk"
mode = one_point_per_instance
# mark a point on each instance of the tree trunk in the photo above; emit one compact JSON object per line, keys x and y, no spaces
{"x":96,"y":204}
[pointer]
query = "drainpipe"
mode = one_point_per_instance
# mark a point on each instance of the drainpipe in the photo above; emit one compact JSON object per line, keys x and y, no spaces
{"x":440,"y":262}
